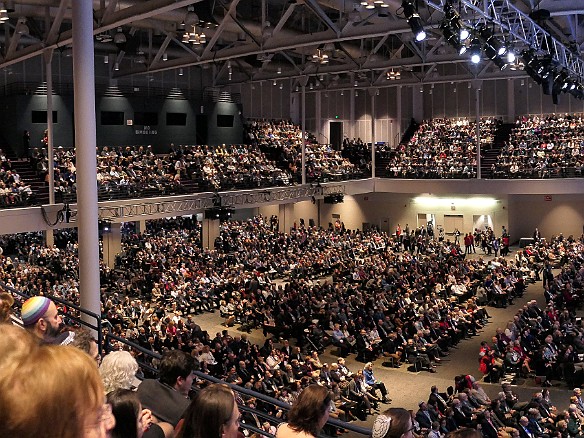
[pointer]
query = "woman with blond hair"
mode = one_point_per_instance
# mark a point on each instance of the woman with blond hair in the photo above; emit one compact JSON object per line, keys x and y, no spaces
{"x":49,"y":391}
{"x":118,"y":370}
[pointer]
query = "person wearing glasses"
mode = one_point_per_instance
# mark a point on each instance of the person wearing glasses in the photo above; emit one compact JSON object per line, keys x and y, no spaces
{"x":213,"y":413}
{"x":49,"y":390}
{"x":393,"y":423}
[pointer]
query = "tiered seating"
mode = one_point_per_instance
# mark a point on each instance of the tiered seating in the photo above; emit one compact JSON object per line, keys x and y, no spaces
{"x":227,"y":167}
{"x":441,"y":148}
{"x":543,"y":147}
{"x":283,"y":141}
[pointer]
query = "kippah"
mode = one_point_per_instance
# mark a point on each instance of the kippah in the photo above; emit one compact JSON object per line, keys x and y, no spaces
{"x":33,"y":309}
{"x":381,"y":426}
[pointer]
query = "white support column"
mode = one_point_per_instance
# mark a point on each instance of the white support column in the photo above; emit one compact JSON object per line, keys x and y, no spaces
{"x":303,"y":133}
{"x":50,"y":147}
{"x":478,"y":130}
{"x":353,"y":131}
{"x":211,"y":229}
{"x":141,"y":226}
{"x":398,"y":104}
{"x":285,"y":217}
{"x":510,"y":100}
{"x":84,"y":98}
{"x":318,"y":116}
{"x":372,"y":93}
{"x":112,"y":244}
{"x":417,"y":103}
{"x":49,"y":237}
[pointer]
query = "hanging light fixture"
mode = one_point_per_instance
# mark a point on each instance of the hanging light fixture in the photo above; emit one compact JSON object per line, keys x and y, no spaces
{"x":21,"y":26}
{"x":194,"y":37}
{"x":119,"y":37}
{"x":320,"y":57}
{"x":393,"y":75}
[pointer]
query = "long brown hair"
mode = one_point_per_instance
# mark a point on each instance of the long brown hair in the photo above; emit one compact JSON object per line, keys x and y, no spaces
{"x":208,"y":413}
{"x":311,"y":405}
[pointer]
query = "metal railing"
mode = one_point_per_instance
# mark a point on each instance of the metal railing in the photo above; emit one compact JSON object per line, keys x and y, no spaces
{"x":150,"y":370}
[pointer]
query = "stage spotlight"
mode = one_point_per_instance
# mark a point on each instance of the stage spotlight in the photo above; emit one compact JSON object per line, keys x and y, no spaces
{"x":561,"y":81}
{"x":475,"y":51}
{"x":453,"y":29}
{"x":464,"y":34}
{"x":511,"y":57}
{"x":493,"y":46}
{"x":414,"y":20}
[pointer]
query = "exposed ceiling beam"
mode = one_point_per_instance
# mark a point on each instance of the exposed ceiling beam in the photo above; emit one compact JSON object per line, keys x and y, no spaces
{"x":57,"y":21}
{"x":126,"y":16}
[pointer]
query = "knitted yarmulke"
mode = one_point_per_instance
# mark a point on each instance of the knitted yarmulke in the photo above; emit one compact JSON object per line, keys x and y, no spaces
{"x":33,"y":309}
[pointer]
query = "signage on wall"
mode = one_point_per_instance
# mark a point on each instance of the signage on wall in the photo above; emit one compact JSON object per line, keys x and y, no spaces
{"x":146,"y":131}
{"x":547,"y":198}
{"x":129,"y":122}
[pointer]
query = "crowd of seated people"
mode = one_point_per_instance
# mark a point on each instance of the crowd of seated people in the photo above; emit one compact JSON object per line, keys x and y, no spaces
{"x":282,"y":140}
{"x":13,"y":191}
{"x":359,"y":153}
{"x":227,"y":166}
{"x":465,"y":405}
{"x":546,"y":341}
{"x":379,"y":303}
{"x":121,"y":172}
{"x":543,"y":147}
{"x":440,"y":148}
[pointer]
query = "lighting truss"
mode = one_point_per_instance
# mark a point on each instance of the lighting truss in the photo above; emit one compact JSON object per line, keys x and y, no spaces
{"x":510,"y":20}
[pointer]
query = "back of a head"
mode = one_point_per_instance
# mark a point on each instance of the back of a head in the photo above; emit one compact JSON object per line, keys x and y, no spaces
{"x":49,"y":382}
{"x":306,"y":413}
{"x":208,"y":413}
{"x":118,"y":370}
{"x":392,"y":423}
{"x":175,"y":364}
{"x":126,"y":409}
{"x":465,"y":432}
{"x":6,"y":302}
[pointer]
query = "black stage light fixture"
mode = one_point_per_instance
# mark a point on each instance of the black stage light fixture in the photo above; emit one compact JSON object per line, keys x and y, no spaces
{"x":414,"y":20}
{"x":451,"y":27}
{"x":561,"y":81}
{"x":475,"y":51}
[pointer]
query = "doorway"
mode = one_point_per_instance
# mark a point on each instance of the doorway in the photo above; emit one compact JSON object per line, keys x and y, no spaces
{"x":336,"y":133}
{"x":202,"y":129}
{"x":482,"y":222}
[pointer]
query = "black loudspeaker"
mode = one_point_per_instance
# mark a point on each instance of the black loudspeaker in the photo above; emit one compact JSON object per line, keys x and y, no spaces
{"x":311,"y":222}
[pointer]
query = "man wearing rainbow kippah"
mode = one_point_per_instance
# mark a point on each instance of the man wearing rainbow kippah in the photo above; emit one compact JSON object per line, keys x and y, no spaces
{"x":40,"y":317}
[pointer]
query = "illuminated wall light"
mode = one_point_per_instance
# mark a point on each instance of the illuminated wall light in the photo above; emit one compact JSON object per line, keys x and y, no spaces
{"x":180,"y":72}
{"x":116,"y":66}
{"x":165,"y":57}
{"x":106,"y":59}
{"x":446,"y":203}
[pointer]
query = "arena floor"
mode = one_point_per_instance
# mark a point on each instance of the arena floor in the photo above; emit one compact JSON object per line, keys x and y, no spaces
{"x":408,"y":388}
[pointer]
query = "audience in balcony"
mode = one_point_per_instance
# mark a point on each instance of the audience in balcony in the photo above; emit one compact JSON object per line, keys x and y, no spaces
{"x":543,"y":147}
{"x":440,"y":148}
{"x":282,"y":140}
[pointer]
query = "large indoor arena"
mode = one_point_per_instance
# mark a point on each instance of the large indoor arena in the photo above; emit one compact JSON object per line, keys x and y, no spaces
{"x":273,"y":218}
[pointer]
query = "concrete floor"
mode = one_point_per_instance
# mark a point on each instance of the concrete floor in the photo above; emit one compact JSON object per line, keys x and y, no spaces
{"x":408,"y":388}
